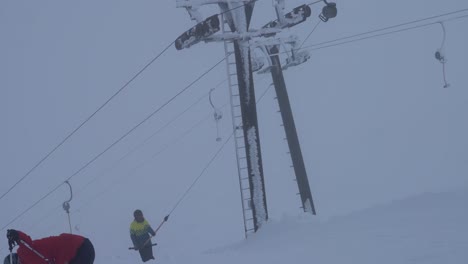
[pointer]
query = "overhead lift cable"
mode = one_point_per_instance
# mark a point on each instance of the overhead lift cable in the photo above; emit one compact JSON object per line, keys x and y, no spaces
{"x":209,"y":163}
{"x":312,"y":31}
{"x":49,"y":214}
{"x":390,"y":27}
{"x":113,"y":144}
{"x":317,"y":46}
{"x":85,"y":121}
{"x":115,"y":181}
{"x":143,"y":143}
{"x":99,"y":109}
{"x":155,"y":155}
{"x":160,"y":151}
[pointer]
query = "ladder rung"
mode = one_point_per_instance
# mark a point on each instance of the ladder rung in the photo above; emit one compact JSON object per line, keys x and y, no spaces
{"x":240,"y":147}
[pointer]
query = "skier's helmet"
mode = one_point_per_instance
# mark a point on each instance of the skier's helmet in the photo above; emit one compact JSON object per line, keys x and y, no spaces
{"x":14,"y":257}
{"x":137,"y":213}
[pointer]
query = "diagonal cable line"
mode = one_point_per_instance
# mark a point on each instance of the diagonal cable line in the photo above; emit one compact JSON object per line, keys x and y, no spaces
{"x":132,"y":171}
{"x":211,"y":160}
{"x":100,"y":108}
{"x":312,"y":31}
{"x":85,"y":121}
{"x":314,"y":47}
{"x":201,"y":173}
{"x":154,"y":156}
{"x":162,"y":150}
{"x":115,"y":142}
{"x":390,"y":27}
{"x":141,"y":144}
{"x":316,"y":2}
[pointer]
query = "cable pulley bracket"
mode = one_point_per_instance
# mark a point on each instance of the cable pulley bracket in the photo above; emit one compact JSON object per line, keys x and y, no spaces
{"x":328,"y":11}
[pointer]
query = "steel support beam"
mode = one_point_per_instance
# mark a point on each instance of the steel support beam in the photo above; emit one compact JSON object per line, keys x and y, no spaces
{"x":290,"y":129}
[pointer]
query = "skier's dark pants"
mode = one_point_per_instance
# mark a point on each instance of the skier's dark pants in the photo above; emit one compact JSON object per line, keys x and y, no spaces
{"x":85,"y":254}
{"x":146,"y":253}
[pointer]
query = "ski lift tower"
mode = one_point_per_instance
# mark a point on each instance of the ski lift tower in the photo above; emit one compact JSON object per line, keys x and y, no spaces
{"x":233,"y":22}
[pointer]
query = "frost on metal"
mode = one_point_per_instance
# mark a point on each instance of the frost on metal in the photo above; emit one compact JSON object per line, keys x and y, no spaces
{"x":308,"y":206}
{"x":245,"y":51}
{"x":257,"y":180}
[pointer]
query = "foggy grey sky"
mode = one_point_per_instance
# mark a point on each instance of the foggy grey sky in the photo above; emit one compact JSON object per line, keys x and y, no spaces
{"x":373,"y":119}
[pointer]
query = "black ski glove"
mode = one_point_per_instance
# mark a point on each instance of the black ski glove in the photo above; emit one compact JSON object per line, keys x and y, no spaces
{"x":166,"y":217}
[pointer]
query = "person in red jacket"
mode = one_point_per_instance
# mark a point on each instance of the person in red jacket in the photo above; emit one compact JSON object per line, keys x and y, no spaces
{"x":62,"y":249}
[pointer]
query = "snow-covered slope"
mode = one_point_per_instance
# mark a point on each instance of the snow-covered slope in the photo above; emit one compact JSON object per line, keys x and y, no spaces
{"x":430,"y":228}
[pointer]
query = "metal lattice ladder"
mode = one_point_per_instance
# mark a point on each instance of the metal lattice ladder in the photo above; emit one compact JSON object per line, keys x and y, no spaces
{"x":238,"y":134}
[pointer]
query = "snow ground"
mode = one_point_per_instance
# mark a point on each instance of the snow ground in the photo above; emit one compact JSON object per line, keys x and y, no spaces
{"x":429,"y":228}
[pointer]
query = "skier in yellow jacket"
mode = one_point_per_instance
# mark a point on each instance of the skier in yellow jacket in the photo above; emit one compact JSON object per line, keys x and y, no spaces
{"x":140,"y":231}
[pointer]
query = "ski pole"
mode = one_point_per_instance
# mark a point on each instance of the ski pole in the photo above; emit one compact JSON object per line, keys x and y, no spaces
{"x":35,"y":251}
{"x":11,"y":245}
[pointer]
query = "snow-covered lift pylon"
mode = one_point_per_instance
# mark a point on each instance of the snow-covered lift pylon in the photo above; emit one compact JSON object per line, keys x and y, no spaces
{"x":238,"y":40}
{"x":236,"y":14}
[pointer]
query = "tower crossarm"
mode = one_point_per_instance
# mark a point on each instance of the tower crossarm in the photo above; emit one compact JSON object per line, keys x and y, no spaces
{"x":242,"y":36}
{"x":190,"y":3}
{"x":296,"y":16}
